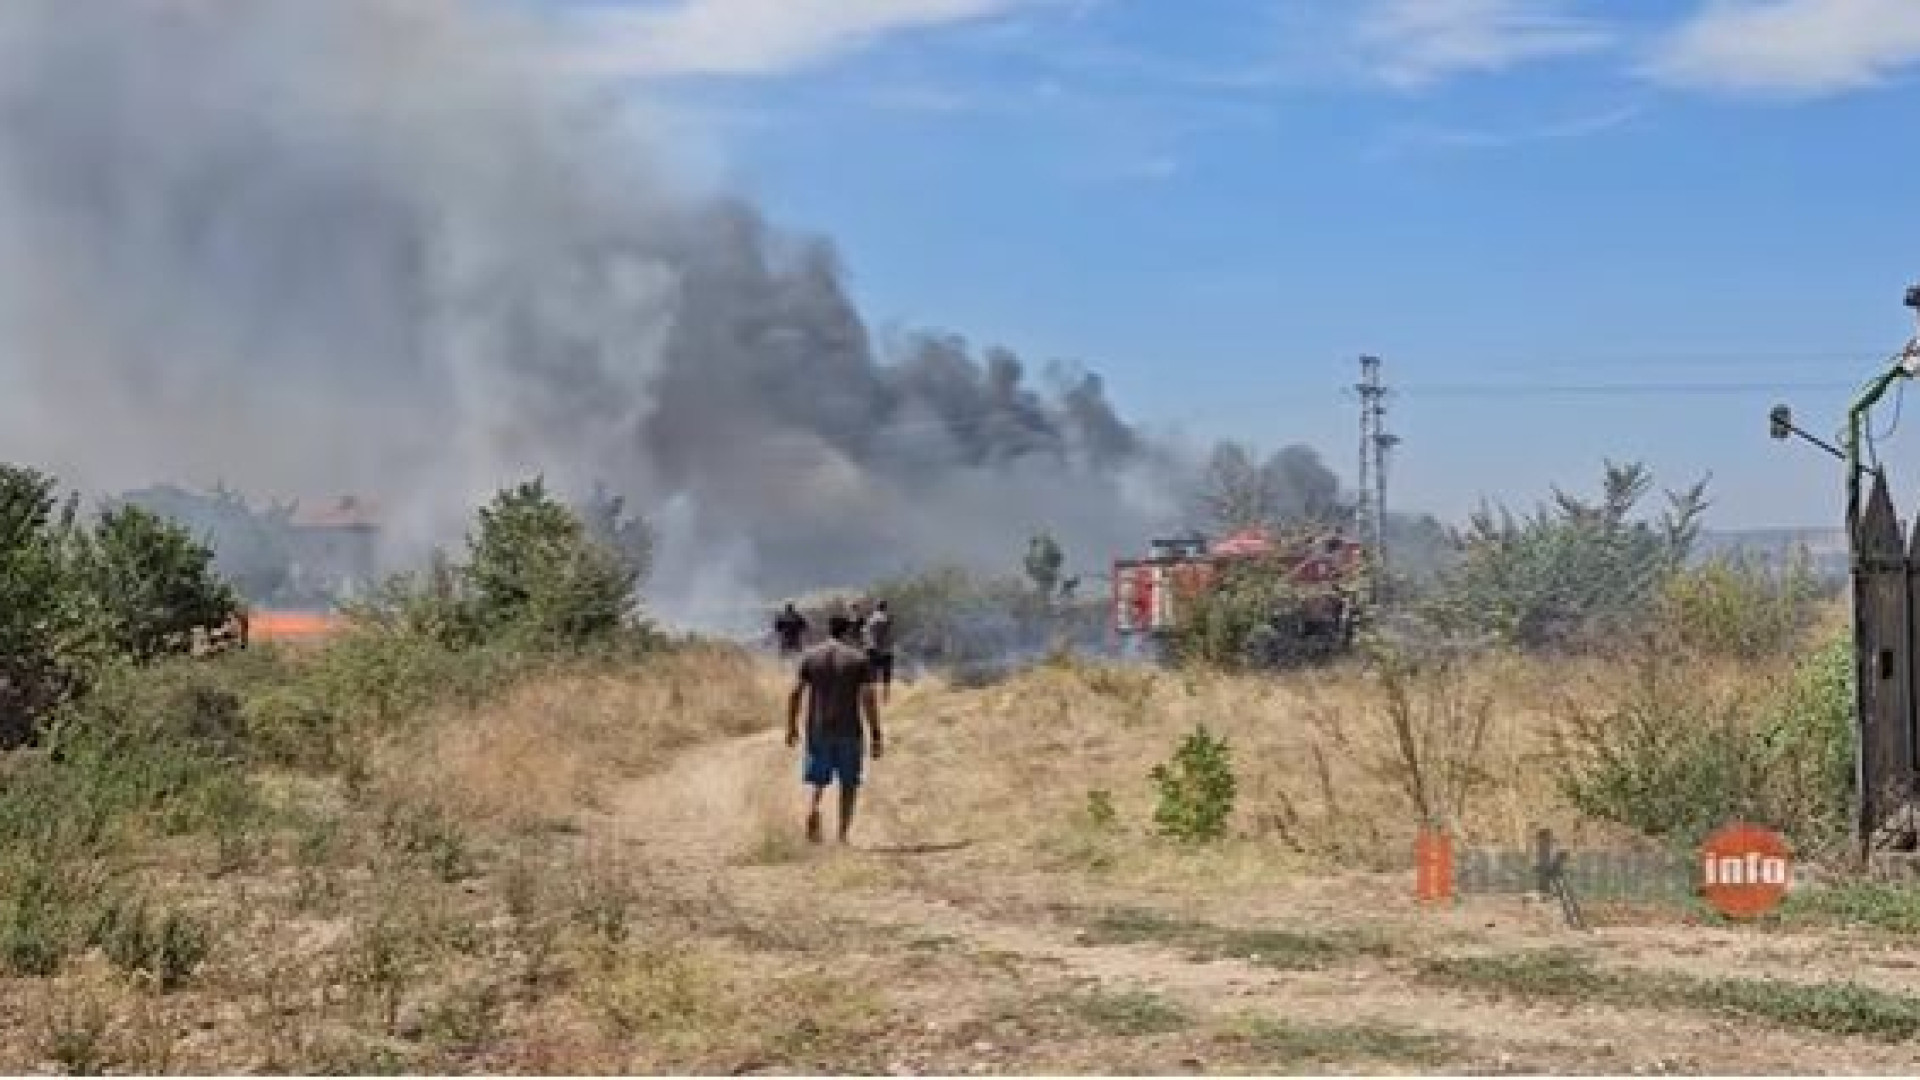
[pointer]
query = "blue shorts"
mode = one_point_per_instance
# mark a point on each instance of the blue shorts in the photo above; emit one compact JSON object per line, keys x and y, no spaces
{"x":828,"y":758}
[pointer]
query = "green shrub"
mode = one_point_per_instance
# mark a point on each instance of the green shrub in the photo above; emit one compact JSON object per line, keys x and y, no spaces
{"x":1731,"y":608}
{"x":1673,"y":759}
{"x":1808,"y":746}
{"x":1197,"y":789}
{"x":43,"y":913}
{"x":167,"y":948}
{"x":53,"y":634}
{"x":535,"y":572}
{"x":427,"y":832}
{"x":155,"y":584}
{"x":74,"y":599}
{"x":1668,"y":759}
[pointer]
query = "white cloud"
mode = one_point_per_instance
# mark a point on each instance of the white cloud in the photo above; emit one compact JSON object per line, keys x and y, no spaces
{"x":1801,"y":47}
{"x":1409,"y":139}
{"x":1415,"y":43}
{"x":750,"y":37}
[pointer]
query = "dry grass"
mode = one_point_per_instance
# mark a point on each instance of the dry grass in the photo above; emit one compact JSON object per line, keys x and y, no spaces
{"x":1323,"y":759}
{"x":1317,"y":754}
{"x":546,"y":749}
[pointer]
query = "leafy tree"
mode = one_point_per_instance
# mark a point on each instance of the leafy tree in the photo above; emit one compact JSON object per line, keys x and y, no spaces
{"x":153,"y":583}
{"x":534,"y":571}
{"x":252,"y":548}
{"x":73,"y":599}
{"x":1573,"y":570}
{"x":51,"y":630}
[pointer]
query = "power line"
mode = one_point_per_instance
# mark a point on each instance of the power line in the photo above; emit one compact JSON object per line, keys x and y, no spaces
{"x":1627,"y":389}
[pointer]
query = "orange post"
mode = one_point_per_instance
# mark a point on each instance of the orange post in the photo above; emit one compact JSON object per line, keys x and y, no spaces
{"x":1433,"y":866}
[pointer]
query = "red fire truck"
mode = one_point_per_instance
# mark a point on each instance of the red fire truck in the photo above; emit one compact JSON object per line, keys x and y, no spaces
{"x":1152,"y":595}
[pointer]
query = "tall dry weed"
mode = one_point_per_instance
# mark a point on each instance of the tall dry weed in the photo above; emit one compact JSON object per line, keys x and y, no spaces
{"x":1440,"y":722}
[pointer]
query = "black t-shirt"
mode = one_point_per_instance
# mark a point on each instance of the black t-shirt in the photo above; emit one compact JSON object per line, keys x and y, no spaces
{"x":790,"y":625}
{"x":834,"y":674}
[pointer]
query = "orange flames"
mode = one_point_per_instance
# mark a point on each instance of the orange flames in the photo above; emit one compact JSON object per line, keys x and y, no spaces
{"x":292,"y":625}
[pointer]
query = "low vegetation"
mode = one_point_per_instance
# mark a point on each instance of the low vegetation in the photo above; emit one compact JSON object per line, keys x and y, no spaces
{"x":1836,"y":1008}
{"x":1277,"y":1042}
{"x":1267,"y":947}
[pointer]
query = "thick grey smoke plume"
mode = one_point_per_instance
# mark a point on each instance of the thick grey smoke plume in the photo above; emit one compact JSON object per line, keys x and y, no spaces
{"x":376,"y":246}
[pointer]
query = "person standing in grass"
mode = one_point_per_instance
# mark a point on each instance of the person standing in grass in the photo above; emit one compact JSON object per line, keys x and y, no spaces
{"x":880,"y":647}
{"x":790,"y":628}
{"x":836,"y":679}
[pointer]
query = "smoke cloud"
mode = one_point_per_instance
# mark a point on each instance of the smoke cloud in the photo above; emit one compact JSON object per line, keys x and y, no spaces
{"x":378,"y":246}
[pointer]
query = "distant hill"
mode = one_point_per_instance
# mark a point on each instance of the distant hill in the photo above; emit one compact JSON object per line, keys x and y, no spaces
{"x":1827,"y":546}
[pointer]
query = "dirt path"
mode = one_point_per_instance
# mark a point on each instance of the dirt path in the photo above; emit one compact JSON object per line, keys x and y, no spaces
{"x":726,"y":806}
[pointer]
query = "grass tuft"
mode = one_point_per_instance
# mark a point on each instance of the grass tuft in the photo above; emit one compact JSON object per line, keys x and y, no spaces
{"x":1833,"y":1008}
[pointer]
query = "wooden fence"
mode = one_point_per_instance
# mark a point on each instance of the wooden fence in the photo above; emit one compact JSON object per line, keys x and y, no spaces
{"x":1886,"y":594}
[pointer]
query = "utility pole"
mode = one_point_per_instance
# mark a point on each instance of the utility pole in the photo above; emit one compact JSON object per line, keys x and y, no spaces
{"x":1375,"y":441}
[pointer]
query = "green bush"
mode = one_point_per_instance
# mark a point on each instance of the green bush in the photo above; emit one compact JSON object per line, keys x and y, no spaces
{"x":1731,"y":608}
{"x":1666,"y":761}
{"x":52,"y":630}
{"x":43,"y":911}
{"x":134,"y":587}
{"x":538,"y":578}
{"x":1675,"y":760}
{"x":536,"y":573}
{"x":155,"y":585}
{"x":975,"y":626}
{"x":167,"y":948}
{"x":1197,"y":789}
{"x":1809,"y":746}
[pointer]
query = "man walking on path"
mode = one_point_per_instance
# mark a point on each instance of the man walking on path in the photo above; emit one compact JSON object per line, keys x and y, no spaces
{"x":880,"y":647}
{"x":837,"y":680}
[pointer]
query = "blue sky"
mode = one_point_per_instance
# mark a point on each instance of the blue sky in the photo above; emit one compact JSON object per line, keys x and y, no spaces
{"x":1220,"y":204}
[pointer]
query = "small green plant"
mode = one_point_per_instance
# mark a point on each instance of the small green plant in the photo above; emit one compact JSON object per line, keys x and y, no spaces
{"x":1197,"y":789}
{"x":1100,"y":811}
{"x":1292,"y":1043}
{"x":429,"y":833}
{"x":1129,"y":1012}
{"x":380,"y":965}
{"x":167,"y":949}
{"x":466,"y":1018}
